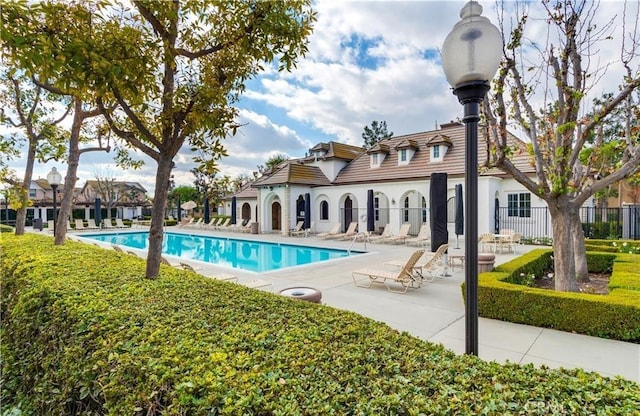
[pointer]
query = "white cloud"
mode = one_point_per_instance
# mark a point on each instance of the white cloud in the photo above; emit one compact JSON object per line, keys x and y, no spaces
{"x":367,"y":60}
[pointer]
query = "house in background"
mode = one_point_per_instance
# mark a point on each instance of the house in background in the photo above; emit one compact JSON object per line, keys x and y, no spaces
{"x":337,"y":178}
{"x":126,"y":199}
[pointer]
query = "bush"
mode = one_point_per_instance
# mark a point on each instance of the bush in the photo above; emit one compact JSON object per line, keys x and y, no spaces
{"x":615,"y":315}
{"x":6,"y":229}
{"x":85,"y":333}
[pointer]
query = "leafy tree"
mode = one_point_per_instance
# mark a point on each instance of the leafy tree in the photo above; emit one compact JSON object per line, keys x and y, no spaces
{"x":271,"y":163}
{"x":556,"y":131}
{"x":175,"y":69}
{"x":375,"y":133}
{"x":58,"y":32}
{"x":33,"y":108}
{"x":186,"y":193}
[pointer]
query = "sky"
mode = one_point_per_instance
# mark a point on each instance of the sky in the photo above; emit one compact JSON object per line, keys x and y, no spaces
{"x":367,"y":60}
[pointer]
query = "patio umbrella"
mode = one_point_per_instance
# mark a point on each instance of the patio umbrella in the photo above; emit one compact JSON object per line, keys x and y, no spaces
{"x":370,"y":215}
{"x":438,"y":203}
{"x":189,"y":205}
{"x":459,"y":220}
{"x":233,"y":210}
{"x":179,"y":210}
{"x":206,"y":210}
{"x":98,"y":212}
{"x":307,"y":211}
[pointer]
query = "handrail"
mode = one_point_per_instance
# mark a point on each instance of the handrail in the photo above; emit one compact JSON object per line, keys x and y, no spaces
{"x":365,"y":234}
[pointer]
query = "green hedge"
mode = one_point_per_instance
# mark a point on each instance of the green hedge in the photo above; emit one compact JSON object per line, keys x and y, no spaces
{"x":615,"y":315}
{"x":84,"y":333}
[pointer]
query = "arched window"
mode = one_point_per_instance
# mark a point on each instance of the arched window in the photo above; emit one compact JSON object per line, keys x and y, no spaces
{"x":406,"y":209}
{"x":324,"y":210}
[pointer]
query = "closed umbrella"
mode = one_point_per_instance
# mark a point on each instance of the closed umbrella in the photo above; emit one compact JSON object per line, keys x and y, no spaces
{"x":370,"y":214}
{"x":206,"y":210}
{"x":459,"y":220}
{"x":98,"y":211}
{"x":233,"y":210}
{"x":179,"y":210}
{"x":307,"y":211}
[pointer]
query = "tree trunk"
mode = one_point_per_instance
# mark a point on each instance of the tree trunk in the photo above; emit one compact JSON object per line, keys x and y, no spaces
{"x":21,"y":215}
{"x":563,"y":253}
{"x":579,"y":250}
{"x":160,"y":196}
{"x":66,"y":205}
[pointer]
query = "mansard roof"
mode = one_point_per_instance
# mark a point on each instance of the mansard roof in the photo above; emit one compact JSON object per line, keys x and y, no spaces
{"x":420,"y":166}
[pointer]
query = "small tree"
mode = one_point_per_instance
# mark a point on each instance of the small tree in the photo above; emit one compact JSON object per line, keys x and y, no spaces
{"x":556,"y":130}
{"x":271,"y":163}
{"x":32,"y":107}
{"x":375,"y":133}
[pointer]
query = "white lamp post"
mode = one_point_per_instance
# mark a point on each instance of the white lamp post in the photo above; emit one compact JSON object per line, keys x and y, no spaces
{"x":55,"y":179}
{"x":471,"y":54}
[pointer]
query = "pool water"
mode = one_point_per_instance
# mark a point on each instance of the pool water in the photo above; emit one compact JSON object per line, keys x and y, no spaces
{"x":257,"y":256}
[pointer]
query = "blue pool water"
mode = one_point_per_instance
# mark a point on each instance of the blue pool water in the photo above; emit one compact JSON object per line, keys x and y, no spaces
{"x":257,"y":256}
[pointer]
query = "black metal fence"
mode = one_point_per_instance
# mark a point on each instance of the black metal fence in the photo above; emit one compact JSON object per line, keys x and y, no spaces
{"x":597,"y":223}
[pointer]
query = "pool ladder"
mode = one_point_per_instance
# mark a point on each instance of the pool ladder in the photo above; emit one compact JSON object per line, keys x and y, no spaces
{"x":364,"y":234}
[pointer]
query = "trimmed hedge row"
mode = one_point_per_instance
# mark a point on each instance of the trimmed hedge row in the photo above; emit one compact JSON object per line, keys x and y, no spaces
{"x":84,"y":333}
{"x":615,"y":315}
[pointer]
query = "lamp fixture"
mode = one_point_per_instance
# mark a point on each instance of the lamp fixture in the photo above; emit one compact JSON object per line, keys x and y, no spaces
{"x":55,"y":179}
{"x":471,"y":55}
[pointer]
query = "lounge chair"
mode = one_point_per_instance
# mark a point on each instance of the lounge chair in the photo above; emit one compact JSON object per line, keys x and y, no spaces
{"x":120,"y":224}
{"x":433,"y":263}
{"x":91,"y":224}
{"x":185,"y":222}
{"x":386,"y":233}
{"x":196,"y":224}
{"x":298,"y":229}
{"x":405,"y":276}
{"x":106,"y":223}
{"x":247,"y":227}
{"x":224,"y":224}
{"x":403,"y":234}
{"x":424,"y":235}
{"x":350,"y":233}
{"x":80,"y":225}
{"x":334,"y":230}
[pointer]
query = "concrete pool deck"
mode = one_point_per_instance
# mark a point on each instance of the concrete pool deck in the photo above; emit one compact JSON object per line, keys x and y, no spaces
{"x":434,"y":312}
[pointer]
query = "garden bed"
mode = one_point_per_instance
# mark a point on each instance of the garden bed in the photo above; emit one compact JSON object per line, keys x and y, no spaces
{"x":615,"y":315}
{"x":83,"y":332}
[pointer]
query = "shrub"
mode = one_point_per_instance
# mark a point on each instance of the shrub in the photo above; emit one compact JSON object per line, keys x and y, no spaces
{"x":615,"y":315}
{"x":6,"y":229}
{"x":85,"y":333}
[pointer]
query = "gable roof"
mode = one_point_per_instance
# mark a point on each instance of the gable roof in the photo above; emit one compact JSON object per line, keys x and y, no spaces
{"x":420,"y":166}
{"x":294,"y":172}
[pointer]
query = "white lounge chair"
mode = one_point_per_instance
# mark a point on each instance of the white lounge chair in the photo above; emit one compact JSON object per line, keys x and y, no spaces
{"x":405,"y":276}
{"x":386,"y":233}
{"x":120,"y":224}
{"x":424,"y":236}
{"x":106,"y":223}
{"x":80,"y":225}
{"x":333,"y":231}
{"x":403,"y":234}
{"x":434,"y":262}
{"x":91,"y":224}
{"x":297,"y":230}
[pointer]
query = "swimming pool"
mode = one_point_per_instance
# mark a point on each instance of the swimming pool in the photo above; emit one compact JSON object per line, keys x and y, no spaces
{"x":257,"y":256}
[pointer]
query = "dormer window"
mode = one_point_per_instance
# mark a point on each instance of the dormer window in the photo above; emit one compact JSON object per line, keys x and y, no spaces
{"x":438,"y":147}
{"x":406,"y":149}
{"x":437,"y":153}
{"x":375,"y":160}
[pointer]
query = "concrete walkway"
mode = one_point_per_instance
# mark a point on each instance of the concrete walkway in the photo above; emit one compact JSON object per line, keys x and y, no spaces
{"x":435,"y":312}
